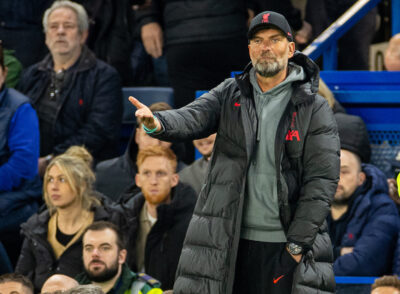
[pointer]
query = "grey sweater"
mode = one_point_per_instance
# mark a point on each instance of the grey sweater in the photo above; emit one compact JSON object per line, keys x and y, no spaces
{"x":261,"y":220}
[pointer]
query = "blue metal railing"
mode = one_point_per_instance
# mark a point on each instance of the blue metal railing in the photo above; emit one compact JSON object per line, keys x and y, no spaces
{"x":326,"y":43}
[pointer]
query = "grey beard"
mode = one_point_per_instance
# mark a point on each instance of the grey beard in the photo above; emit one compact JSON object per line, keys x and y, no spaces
{"x":267,"y":69}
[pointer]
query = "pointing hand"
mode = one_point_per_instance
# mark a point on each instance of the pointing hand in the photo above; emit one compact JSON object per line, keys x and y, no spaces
{"x":145,"y":115}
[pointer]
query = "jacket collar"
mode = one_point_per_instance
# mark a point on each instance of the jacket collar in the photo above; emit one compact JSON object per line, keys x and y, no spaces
{"x":304,"y":90}
{"x":85,"y":61}
{"x":183,"y":199}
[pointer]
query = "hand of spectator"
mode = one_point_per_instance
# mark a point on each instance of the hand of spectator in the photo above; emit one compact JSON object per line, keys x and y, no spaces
{"x":250,"y":13}
{"x":152,"y":38}
{"x":346,"y":250}
{"x":393,"y":191}
{"x":145,"y":115}
{"x":304,"y":34}
{"x":42,"y":165}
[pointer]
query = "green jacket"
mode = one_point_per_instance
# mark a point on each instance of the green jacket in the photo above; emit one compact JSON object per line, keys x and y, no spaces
{"x":14,"y":68}
{"x":139,"y":283}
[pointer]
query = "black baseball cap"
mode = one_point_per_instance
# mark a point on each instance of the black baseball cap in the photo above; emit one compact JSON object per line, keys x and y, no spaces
{"x":268,"y":19}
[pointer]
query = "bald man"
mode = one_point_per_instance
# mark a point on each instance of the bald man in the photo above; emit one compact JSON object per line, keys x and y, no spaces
{"x":58,"y":283}
{"x":392,"y":54}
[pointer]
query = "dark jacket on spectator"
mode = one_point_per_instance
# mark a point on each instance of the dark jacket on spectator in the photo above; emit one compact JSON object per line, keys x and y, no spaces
{"x":165,"y":240}
{"x":91,"y":109}
{"x":285,"y":7}
{"x":37,"y":260}
{"x":307,"y":172}
{"x":371,"y":228}
{"x":110,"y":35}
{"x":115,"y":177}
{"x":197,"y":21}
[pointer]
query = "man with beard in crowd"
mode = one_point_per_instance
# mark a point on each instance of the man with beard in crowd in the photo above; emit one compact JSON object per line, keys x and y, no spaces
{"x":104,"y":256}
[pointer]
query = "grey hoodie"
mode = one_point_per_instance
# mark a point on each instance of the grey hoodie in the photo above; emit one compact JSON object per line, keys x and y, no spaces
{"x":261,"y":220}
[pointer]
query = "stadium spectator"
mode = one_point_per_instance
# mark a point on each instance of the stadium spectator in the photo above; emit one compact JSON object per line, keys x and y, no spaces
{"x":21,"y":29}
{"x":303,"y":30}
{"x":392,"y":54}
{"x":194,"y":174}
{"x":116,"y":176}
{"x":104,"y":255}
{"x":77,"y":97}
{"x":191,"y":30}
{"x":364,"y":221}
{"x":15,"y":284}
{"x":386,"y":285}
{"x":158,"y":216}
{"x":110,"y":33}
{"x":52,"y":243}
{"x":85,"y":289}
{"x":58,"y":283}
{"x":20,"y":185}
{"x":14,"y":68}
{"x":353,"y":47}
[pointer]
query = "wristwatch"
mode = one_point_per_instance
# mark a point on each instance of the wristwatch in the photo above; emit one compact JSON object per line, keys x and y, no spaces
{"x":294,"y":248}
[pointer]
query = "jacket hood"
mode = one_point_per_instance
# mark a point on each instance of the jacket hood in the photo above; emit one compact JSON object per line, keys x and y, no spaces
{"x":309,"y":85}
{"x":374,"y":185}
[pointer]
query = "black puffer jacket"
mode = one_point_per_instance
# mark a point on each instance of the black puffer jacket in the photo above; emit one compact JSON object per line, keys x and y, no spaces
{"x":307,"y":160}
{"x":91,"y":109}
{"x":37,"y":260}
{"x":165,"y":240}
{"x":186,"y":21}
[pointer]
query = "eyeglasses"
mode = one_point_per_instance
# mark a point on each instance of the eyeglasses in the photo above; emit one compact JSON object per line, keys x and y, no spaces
{"x":57,"y":79}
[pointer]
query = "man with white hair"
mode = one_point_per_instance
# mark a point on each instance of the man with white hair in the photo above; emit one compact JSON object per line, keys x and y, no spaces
{"x":76,"y":96}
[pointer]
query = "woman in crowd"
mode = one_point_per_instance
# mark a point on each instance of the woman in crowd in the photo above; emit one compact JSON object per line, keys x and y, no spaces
{"x":53,"y":237}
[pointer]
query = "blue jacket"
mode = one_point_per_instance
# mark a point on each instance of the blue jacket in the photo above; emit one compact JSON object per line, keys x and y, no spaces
{"x":372,"y":230}
{"x":19,"y":150}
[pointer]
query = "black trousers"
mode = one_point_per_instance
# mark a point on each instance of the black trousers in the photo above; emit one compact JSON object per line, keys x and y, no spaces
{"x":263,"y":268}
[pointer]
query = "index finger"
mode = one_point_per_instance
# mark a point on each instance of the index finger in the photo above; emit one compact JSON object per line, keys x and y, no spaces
{"x":136,"y":102}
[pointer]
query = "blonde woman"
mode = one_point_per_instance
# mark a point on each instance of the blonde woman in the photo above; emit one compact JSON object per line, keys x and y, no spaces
{"x":53,"y":238}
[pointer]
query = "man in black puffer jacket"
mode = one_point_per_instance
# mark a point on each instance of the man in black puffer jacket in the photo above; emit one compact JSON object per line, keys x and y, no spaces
{"x":259,"y":222}
{"x":77,"y":97}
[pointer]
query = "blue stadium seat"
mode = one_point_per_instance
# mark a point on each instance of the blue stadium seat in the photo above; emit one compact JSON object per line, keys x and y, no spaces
{"x":148,"y":96}
{"x":375,"y":96}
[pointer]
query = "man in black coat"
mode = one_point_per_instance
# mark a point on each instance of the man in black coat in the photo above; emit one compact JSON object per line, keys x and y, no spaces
{"x":259,"y":223}
{"x":77,"y":97}
{"x":158,"y":216}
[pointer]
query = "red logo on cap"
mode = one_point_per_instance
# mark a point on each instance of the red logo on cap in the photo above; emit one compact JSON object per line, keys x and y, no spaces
{"x":289,"y":34}
{"x":265,"y":17}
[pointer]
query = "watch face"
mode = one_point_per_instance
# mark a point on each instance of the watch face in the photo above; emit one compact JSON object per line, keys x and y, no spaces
{"x":294,"y":249}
